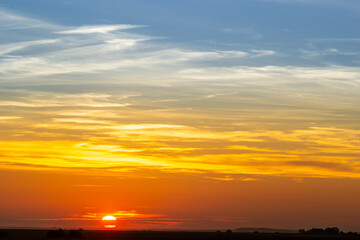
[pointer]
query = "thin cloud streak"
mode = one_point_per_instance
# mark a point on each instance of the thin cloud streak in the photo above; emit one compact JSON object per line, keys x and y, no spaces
{"x":97,"y":29}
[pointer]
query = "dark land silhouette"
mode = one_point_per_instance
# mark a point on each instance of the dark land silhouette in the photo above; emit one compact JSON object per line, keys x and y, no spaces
{"x":311,"y":234}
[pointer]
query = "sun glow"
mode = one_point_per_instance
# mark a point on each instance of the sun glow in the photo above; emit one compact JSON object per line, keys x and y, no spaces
{"x":109,"y":222}
{"x":109,"y":226}
{"x":109,"y":218}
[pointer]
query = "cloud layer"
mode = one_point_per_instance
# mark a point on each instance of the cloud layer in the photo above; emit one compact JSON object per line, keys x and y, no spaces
{"x":100,"y":97}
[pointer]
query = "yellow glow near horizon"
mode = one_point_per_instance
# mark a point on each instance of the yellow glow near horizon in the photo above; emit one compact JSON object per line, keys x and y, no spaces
{"x":190,"y":149}
{"x":110,"y":226}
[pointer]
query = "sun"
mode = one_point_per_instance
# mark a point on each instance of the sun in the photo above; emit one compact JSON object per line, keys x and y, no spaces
{"x":109,"y":218}
{"x":109,"y":222}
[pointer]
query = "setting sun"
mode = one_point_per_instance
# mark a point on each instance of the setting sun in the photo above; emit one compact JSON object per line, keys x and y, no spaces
{"x":109,"y":222}
{"x":109,"y":218}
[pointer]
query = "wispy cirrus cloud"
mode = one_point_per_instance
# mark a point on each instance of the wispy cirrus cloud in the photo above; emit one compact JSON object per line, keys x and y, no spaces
{"x":11,"y":20}
{"x":103,"y":29}
{"x":110,"y":49}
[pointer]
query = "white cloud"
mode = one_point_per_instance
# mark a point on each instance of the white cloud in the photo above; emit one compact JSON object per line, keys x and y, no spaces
{"x":9,"y":20}
{"x":97,"y":29}
{"x":260,"y":53}
{"x":275,"y":73}
{"x":11,"y":47}
{"x":42,"y":99}
{"x":93,"y":49}
{"x":311,"y":54}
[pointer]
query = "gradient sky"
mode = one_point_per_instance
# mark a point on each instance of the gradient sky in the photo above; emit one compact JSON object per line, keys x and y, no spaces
{"x":180,"y":114}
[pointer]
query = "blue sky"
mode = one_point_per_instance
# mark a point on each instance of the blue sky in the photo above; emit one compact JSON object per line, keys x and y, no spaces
{"x":301,"y":32}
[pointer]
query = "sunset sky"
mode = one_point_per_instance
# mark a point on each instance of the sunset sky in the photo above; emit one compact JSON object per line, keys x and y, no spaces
{"x":180,"y":114}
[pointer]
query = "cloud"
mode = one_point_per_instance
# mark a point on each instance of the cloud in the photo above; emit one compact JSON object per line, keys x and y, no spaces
{"x":146,"y":126}
{"x":12,"y":47}
{"x":100,"y":100}
{"x":248,"y":31}
{"x":103,"y":29}
{"x":276,"y":73}
{"x":96,"y":216}
{"x":10,"y":20}
{"x":4,"y":118}
{"x":50,"y":50}
{"x":41,"y":99}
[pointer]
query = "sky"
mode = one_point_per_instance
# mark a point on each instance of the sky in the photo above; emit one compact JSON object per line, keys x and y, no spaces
{"x":180,"y":114}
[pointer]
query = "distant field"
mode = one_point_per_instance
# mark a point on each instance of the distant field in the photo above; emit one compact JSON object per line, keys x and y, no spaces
{"x":164,"y":235}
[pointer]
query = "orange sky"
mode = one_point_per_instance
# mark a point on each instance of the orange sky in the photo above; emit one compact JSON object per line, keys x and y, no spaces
{"x":70,"y":159}
{"x":98,"y":120}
